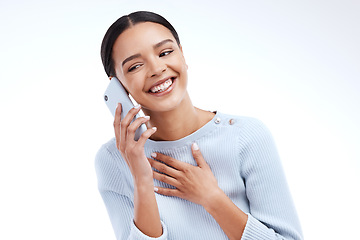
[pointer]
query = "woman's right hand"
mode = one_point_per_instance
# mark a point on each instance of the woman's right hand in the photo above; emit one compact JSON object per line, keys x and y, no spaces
{"x":131,"y":150}
{"x":146,"y":212}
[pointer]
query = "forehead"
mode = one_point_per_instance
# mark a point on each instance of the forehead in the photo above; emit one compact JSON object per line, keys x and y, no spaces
{"x":140,"y":37}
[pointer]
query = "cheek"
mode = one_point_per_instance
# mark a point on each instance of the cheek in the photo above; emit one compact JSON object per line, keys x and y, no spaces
{"x":184,"y":65}
{"x":184,"y":70}
{"x":126,"y":82}
{"x":125,"y":85}
{"x":134,"y":84}
{"x":179,"y":65}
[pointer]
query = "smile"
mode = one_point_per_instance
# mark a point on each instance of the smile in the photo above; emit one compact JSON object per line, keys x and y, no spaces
{"x":162,"y":87}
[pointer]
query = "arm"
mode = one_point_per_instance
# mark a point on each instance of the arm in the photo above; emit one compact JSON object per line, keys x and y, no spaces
{"x":118,"y":195}
{"x":144,"y":210}
{"x":230,"y":218}
{"x":146,"y":213}
{"x":272,"y":212}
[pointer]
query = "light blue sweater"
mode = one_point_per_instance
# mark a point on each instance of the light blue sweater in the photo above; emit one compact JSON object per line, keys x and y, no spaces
{"x":241,"y":154}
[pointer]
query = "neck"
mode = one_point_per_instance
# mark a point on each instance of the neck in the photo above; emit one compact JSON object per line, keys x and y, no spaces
{"x":177,"y":123}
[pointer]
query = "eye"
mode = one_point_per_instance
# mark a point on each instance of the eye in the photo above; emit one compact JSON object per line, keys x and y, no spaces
{"x":134,"y":67}
{"x":165,"y":53}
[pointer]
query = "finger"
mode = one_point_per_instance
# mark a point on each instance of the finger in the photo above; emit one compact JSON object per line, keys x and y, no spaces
{"x":198,"y":156}
{"x":117,"y":121}
{"x":163,"y":168}
{"x":169,"y":161}
{"x":168,"y":191}
{"x":135,"y":125}
{"x":126,"y":122}
{"x":145,"y":136}
{"x":131,"y":114}
{"x":166,"y":179}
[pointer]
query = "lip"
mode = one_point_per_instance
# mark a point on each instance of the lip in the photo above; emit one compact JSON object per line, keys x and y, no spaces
{"x":161,"y":81}
{"x":167,"y":90}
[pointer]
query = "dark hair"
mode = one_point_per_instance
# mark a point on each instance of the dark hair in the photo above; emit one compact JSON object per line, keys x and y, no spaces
{"x":120,"y":26}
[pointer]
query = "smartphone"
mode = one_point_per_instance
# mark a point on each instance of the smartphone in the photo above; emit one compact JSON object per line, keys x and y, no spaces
{"x":115,"y":93}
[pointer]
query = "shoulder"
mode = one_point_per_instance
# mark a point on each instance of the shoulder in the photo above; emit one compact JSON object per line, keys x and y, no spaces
{"x":243,"y":123}
{"x":109,"y":146}
{"x":105,"y":157}
{"x":106,"y":152}
{"x":248,"y":131}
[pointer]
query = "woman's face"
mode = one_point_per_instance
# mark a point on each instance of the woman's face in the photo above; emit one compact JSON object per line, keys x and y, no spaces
{"x":151,"y":66}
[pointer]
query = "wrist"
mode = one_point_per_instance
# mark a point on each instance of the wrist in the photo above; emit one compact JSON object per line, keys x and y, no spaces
{"x":143,"y":184}
{"x":214,"y":200}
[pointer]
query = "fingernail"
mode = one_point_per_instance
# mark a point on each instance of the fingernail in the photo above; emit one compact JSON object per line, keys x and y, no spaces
{"x":156,"y":189}
{"x":118,"y":105}
{"x":147,"y":117}
{"x":137,"y":106}
{"x":154,"y":128}
{"x":153,"y":155}
{"x":195,"y":146}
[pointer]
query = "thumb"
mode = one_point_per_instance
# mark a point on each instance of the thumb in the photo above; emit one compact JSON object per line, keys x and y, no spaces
{"x":198,"y":156}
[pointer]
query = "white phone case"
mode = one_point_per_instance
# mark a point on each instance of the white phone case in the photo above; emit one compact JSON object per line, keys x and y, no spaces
{"x":114,"y":94}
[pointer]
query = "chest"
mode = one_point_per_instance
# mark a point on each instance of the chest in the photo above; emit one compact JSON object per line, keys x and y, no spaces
{"x":224,"y":161}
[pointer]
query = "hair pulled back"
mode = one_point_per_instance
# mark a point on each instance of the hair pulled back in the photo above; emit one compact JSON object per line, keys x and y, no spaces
{"x":119,"y":26}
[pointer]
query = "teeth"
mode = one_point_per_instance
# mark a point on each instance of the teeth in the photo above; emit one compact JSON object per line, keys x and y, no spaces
{"x":162,"y":87}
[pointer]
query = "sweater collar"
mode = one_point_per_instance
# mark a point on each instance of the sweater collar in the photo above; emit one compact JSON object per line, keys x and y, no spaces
{"x":204,"y":130}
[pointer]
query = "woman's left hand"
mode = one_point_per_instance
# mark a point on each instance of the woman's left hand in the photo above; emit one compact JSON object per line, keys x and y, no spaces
{"x":193,"y":183}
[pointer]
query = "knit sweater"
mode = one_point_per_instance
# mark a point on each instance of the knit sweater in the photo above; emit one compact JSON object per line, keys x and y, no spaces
{"x":242,"y":156}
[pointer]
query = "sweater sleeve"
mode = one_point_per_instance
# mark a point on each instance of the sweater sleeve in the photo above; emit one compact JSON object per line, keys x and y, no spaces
{"x":117,"y":198}
{"x":272,"y":213}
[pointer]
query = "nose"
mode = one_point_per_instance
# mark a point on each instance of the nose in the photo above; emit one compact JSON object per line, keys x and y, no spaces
{"x":156,"y":67}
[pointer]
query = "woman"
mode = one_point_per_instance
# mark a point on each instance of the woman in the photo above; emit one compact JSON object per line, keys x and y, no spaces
{"x":193,"y":174}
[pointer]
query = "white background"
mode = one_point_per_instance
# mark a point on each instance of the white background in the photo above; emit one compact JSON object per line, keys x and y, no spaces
{"x":292,"y":64}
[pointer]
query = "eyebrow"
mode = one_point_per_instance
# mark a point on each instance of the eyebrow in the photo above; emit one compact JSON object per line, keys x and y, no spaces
{"x":139,"y":55}
{"x":162,"y":43}
{"x":131,"y":58}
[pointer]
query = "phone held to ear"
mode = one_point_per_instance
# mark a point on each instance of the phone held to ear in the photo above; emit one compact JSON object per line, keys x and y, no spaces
{"x":114,"y":94}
